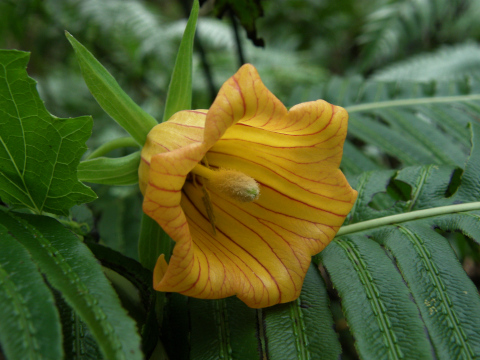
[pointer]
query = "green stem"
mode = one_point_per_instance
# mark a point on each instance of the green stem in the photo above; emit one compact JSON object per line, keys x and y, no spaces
{"x":112,"y":145}
{"x":410,"y":102}
{"x":414,"y":215}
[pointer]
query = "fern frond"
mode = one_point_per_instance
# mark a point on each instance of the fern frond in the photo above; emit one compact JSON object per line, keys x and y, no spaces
{"x":395,"y":24}
{"x":378,"y":268}
{"x":412,"y":122}
{"x":131,"y":23}
{"x":447,"y":63}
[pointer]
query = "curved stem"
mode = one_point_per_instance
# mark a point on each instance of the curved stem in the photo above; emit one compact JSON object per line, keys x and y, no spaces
{"x":414,"y":215}
{"x":112,"y":145}
{"x":110,"y":171}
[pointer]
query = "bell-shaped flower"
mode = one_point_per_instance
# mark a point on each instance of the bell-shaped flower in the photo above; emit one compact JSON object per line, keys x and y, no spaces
{"x":248,"y":191}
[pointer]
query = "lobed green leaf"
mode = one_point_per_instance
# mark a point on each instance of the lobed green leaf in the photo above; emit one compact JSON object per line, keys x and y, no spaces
{"x":39,"y":153}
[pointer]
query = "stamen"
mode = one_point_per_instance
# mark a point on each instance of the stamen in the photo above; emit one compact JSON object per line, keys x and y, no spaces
{"x":232,"y":183}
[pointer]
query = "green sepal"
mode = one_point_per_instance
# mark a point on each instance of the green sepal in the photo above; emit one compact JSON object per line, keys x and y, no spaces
{"x":110,"y":171}
{"x":110,"y":96}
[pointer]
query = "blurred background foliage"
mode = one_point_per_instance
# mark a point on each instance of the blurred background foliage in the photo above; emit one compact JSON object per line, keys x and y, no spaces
{"x":310,"y":46}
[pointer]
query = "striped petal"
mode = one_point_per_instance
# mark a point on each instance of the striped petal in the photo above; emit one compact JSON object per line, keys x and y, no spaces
{"x":258,"y":251}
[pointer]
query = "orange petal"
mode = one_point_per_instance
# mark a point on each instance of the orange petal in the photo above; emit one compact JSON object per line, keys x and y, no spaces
{"x":261,"y":250}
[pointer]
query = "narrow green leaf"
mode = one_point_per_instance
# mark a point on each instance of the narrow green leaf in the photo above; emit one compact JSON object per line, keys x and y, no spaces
{"x":110,"y":171}
{"x":303,"y":329}
{"x":447,"y":299}
{"x":383,"y":320}
{"x":71,"y":269}
{"x":39,"y":153}
{"x":180,"y":89}
{"x":29,"y":321}
{"x":110,"y":96}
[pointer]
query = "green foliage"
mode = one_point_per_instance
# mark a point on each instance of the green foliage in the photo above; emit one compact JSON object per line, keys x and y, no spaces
{"x":391,"y":285}
{"x":396,"y":27}
{"x":226,"y":328}
{"x":111,"y":97}
{"x":246,"y":11}
{"x":72,"y":270}
{"x":26,"y":303}
{"x":180,"y":88}
{"x":454,"y":62}
{"x":413,"y":258}
{"x":402,"y":122}
{"x":40,"y":152}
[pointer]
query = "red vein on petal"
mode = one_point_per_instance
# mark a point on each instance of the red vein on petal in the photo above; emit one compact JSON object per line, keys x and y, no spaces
{"x":163,"y":189}
{"x":229,"y":251}
{"x":256,"y":203}
{"x":186,"y":125}
{"x":198,"y":111}
{"x":311,"y":206}
{"x":277,"y":131}
{"x":223,"y":285}
{"x":261,"y":220}
{"x":256,"y":233}
{"x":300,"y":236}
{"x":199,"y":272}
{"x":241,"y":95}
{"x":283,"y":177}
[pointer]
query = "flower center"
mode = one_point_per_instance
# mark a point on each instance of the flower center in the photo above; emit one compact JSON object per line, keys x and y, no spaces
{"x":231,"y":183}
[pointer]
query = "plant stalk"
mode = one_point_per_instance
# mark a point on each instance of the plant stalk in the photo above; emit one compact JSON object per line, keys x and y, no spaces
{"x":414,"y":215}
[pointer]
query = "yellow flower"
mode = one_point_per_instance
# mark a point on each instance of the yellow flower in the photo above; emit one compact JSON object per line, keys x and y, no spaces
{"x":248,"y":191}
